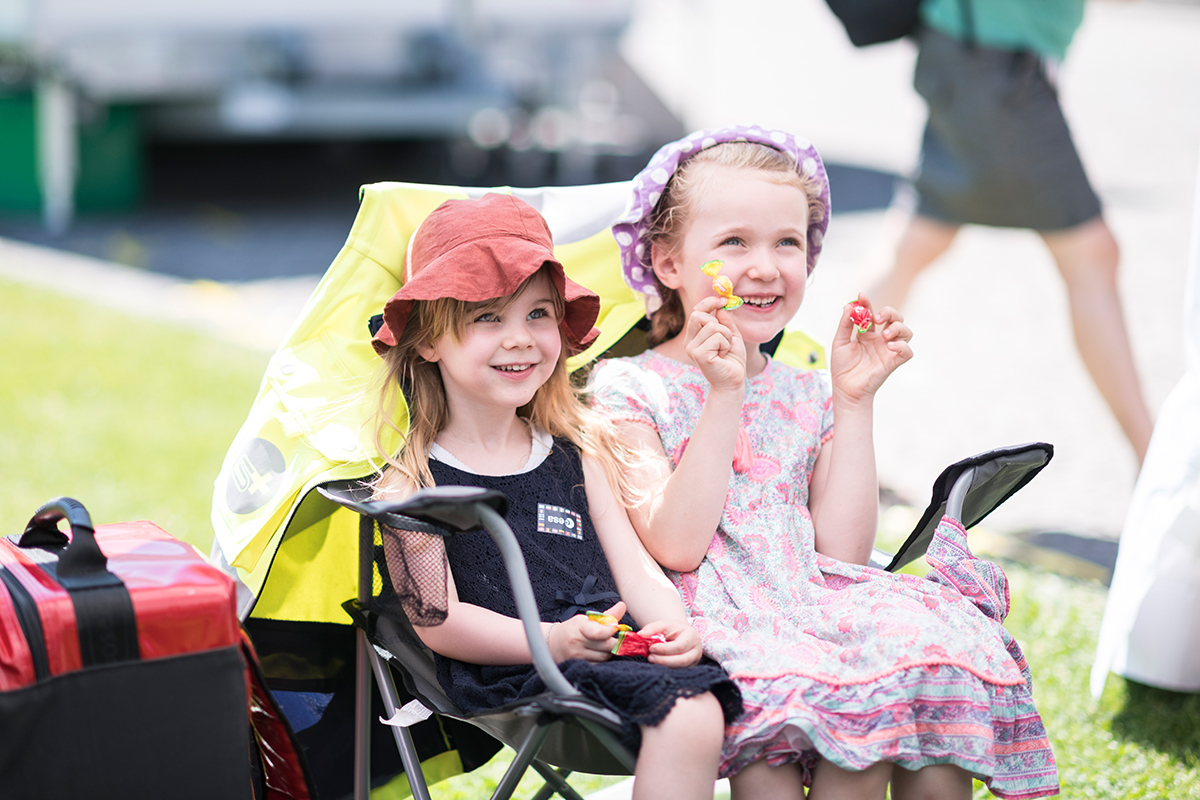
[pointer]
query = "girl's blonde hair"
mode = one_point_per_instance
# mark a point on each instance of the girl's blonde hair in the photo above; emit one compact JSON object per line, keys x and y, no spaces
{"x":672,"y":214}
{"x":558,"y":406}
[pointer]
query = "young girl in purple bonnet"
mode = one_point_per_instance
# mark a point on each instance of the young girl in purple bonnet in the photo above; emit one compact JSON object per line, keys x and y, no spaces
{"x":764,"y":513}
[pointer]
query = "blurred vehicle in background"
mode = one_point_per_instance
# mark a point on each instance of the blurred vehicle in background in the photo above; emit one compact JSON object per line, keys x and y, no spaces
{"x":87,"y":85}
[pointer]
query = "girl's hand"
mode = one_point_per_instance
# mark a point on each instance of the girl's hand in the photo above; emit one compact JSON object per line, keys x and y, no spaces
{"x":714,"y":345}
{"x":861,"y":361}
{"x":580,"y":637}
{"x":682,"y":647}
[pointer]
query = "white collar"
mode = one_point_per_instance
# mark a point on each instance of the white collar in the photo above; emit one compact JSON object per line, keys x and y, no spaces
{"x":539,"y":450}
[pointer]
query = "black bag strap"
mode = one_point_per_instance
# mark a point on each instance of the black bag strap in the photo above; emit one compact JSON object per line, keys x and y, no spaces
{"x":104,"y":613}
{"x":25,"y":608}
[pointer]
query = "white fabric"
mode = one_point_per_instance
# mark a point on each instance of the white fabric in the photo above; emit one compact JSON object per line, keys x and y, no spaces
{"x":538,"y":451}
{"x":1151,"y":627}
{"x":408,"y":715}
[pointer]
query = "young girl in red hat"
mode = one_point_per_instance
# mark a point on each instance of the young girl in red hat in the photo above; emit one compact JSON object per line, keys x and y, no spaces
{"x":478,"y":338}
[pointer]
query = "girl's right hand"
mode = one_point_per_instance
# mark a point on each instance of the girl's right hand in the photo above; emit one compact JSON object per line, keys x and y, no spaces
{"x":682,"y":647}
{"x":859,"y":364}
{"x":580,"y":637}
{"x":714,"y":345}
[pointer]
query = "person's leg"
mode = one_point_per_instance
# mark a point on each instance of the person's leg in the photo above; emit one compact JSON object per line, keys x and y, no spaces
{"x":831,"y":782}
{"x":679,"y":756}
{"x":920,"y":244}
{"x":936,"y":782}
{"x":1087,"y":256}
{"x":761,"y":781}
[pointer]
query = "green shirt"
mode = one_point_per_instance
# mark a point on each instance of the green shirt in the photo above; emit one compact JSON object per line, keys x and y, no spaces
{"x":1043,"y":26}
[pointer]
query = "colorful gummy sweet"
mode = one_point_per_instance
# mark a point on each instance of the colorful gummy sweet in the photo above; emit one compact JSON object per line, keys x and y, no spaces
{"x":721,"y":284}
{"x":632,"y":643}
{"x":860,"y":315}
{"x":629,"y":641}
{"x":607,"y":619}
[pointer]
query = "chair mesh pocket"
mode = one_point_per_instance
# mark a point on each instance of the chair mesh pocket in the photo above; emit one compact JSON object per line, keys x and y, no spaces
{"x":411,"y":575}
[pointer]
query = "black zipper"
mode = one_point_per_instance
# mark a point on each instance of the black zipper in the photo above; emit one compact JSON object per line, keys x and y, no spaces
{"x":30,"y":622}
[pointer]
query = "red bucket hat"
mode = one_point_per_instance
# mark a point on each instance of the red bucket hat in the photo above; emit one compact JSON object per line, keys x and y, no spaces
{"x":476,"y":250}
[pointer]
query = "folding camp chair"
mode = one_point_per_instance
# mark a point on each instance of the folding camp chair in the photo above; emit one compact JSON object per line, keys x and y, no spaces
{"x":297,"y":531}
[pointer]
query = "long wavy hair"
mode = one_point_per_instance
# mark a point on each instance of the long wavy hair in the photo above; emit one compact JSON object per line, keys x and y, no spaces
{"x":672,"y":215}
{"x":559,"y":406}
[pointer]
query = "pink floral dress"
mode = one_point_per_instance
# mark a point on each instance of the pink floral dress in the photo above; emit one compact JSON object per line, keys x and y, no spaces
{"x":837,"y":660}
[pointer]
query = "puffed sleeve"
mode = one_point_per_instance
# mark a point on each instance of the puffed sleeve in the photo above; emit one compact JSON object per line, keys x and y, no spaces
{"x":628,"y":393}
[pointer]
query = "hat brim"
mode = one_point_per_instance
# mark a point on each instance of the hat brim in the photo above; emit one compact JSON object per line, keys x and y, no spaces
{"x":485,"y":269}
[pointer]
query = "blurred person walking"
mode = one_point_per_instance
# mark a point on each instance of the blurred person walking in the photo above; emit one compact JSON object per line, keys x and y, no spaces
{"x":997,"y":151}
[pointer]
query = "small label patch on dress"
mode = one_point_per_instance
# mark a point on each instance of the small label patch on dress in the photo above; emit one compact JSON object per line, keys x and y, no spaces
{"x":563,"y":521}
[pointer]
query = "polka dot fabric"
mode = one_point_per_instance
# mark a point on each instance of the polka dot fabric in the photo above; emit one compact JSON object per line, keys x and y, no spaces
{"x":649,"y":184}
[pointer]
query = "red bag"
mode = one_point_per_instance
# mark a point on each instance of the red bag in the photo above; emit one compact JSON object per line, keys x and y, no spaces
{"x":124,"y":672}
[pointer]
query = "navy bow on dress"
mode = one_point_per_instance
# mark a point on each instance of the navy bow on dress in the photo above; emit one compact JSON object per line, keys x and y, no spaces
{"x":584,"y":599}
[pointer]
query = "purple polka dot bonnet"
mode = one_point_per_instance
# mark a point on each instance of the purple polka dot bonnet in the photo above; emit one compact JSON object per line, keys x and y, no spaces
{"x":630,"y":229}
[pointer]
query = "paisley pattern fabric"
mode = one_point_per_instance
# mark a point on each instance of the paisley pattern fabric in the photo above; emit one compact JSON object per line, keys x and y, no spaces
{"x":837,"y":660}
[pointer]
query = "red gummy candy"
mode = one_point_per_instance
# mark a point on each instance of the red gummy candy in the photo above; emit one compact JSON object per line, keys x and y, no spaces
{"x":860,"y":315}
{"x":632,"y":643}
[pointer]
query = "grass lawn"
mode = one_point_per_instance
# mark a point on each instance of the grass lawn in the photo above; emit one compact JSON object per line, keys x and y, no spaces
{"x":133,"y":418}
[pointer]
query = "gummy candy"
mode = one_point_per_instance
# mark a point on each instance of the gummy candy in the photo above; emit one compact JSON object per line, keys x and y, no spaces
{"x":860,"y":315}
{"x":632,"y":643}
{"x":607,"y":619}
{"x":721,"y":284}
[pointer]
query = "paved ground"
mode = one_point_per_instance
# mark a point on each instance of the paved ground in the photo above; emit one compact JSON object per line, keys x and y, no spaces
{"x":995,"y":362}
{"x":254,"y":314}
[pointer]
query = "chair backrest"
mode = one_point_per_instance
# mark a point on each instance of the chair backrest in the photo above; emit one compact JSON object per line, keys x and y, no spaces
{"x":311,"y":421}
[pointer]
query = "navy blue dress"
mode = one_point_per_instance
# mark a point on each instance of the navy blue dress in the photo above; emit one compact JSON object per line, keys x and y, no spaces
{"x":548,"y":512}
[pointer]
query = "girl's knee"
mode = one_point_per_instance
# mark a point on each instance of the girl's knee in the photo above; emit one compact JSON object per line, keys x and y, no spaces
{"x":698,"y":719}
{"x":761,"y":781}
{"x":832,"y":781}
{"x":935,"y":782}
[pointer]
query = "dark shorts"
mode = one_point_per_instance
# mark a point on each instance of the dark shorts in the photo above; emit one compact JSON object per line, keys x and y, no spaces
{"x":997,"y":150}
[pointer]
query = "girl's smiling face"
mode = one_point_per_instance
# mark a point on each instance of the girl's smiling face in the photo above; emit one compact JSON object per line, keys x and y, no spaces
{"x":758,"y":228}
{"x":504,"y":353}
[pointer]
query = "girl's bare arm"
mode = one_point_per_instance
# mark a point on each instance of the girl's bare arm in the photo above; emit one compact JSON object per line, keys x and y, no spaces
{"x":478,"y":635}
{"x":652,"y":599}
{"x":844,"y":490}
{"x":683,"y":507}
{"x":843,"y":494}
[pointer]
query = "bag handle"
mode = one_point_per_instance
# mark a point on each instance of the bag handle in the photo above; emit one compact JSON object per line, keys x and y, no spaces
{"x":82,"y":565}
{"x":104,"y":615}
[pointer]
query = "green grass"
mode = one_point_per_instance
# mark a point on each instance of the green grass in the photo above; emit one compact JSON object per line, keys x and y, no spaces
{"x":133,"y":418}
{"x":480,"y":784}
{"x":1138,"y":741}
{"x":130,"y":417}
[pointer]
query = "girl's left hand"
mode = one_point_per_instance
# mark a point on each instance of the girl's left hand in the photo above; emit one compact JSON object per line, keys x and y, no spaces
{"x":860,"y":362}
{"x":682,"y":647}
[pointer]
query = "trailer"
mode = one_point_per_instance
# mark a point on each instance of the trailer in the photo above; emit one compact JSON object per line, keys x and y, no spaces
{"x":85,"y":84}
